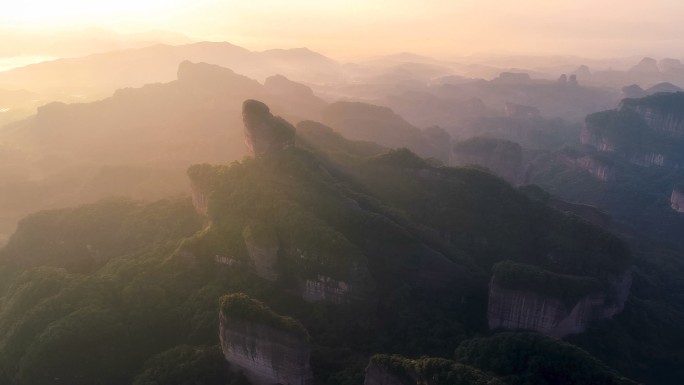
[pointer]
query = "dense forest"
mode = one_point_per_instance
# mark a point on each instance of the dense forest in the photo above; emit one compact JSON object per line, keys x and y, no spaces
{"x":121,"y":291}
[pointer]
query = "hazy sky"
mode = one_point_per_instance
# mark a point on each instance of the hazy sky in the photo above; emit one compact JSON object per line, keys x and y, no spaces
{"x":360,"y":27}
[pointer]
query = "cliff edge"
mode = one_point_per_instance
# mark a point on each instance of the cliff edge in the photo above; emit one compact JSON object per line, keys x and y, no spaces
{"x":264,"y":132}
{"x":528,"y":297}
{"x":268,"y":348}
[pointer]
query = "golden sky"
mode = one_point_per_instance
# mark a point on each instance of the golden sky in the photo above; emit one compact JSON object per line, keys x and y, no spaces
{"x":364,"y":27}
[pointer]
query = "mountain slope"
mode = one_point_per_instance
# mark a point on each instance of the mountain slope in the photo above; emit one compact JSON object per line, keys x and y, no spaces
{"x":105,"y":72}
{"x":364,"y":251}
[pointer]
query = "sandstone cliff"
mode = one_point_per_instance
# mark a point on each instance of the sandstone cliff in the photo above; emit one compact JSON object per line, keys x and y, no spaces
{"x":254,"y":220}
{"x":677,"y":199}
{"x":553,"y":304}
{"x":268,"y":348}
{"x":661,"y":121}
{"x":262,"y":247}
{"x":599,"y":167}
{"x":264,"y":132}
{"x":648,"y":131}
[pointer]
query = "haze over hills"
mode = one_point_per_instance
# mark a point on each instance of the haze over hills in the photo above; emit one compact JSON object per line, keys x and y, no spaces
{"x":313,"y":219}
{"x":22,"y":45}
{"x":178,"y":210}
{"x":384,"y":80}
{"x":108,"y":71}
{"x":137,"y":142}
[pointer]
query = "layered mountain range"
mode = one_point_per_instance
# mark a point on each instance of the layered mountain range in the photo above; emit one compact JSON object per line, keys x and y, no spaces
{"x":321,"y":219}
{"x":316,"y":242}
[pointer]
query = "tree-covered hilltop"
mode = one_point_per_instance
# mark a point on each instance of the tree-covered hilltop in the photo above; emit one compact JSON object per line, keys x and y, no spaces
{"x":425,"y":371}
{"x":568,"y":288}
{"x":669,"y":103}
{"x":370,"y":252}
{"x":528,"y":358}
{"x":84,"y":238}
{"x":239,"y":306}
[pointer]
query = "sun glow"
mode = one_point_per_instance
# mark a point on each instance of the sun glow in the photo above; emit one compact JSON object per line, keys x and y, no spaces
{"x":35,"y":14}
{"x":369,"y":27}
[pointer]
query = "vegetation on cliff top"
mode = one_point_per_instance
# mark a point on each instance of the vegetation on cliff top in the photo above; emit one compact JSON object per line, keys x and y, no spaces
{"x":432,"y":371}
{"x":241,"y":307}
{"x":668,"y":103}
{"x":364,"y":216}
{"x":530,"y":358}
{"x":568,"y":288}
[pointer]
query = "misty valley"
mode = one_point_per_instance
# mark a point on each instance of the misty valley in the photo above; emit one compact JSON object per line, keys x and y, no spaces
{"x":182,"y":212}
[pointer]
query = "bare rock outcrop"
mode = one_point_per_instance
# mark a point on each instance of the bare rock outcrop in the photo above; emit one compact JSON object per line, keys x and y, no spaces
{"x":600,"y":168}
{"x":662,"y":112}
{"x":262,"y":246}
{"x":590,"y":136}
{"x":268,"y":348}
{"x":200,"y":181}
{"x":324,"y":288}
{"x":265,"y":133}
{"x":659,"y":121}
{"x":677,"y":198}
{"x":647,"y":131}
{"x":566,"y":305}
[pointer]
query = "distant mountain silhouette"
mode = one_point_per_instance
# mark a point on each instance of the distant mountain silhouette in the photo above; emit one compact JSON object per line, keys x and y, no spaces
{"x":367,"y":122}
{"x":138,"y":142}
{"x":108,"y":71}
{"x":80,"y":42}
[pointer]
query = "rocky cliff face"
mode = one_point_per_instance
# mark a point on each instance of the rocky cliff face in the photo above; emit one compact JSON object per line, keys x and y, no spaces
{"x":651,"y":159}
{"x":262,"y":246}
{"x":200,"y":200}
{"x":264,"y":260}
{"x":266,"y":356}
{"x":265,"y":352}
{"x":659,"y":121}
{"x":264,"y":132}
{"x":591,"y":137}
{"x":677,"y":199}
{"x":324,"y":288}
{"x":648,"y":131}
{"x":662,"y":112}
{"x":599,"y":168}
{"x":524,"y":309}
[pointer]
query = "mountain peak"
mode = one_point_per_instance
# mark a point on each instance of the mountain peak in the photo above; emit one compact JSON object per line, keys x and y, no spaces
{"x":264,"y":132}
